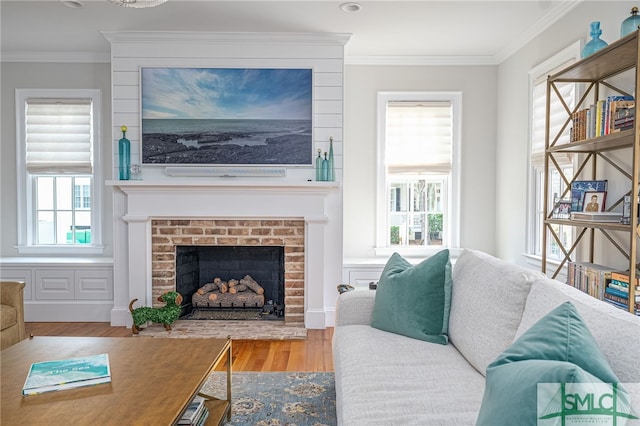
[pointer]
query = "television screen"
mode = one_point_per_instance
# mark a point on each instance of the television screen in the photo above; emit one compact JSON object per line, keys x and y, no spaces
{"x":226,"y":116}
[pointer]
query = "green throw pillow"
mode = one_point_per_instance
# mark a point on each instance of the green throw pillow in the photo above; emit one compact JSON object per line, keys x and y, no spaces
{"x":559,"y":348}
{"x":414,"y":300}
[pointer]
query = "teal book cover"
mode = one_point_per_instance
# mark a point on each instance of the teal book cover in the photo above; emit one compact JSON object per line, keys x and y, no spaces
{"x":68,"y":373}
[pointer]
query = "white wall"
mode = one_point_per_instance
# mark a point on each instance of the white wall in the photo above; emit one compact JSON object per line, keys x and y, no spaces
{"x":48,"y":76}
{"x":478,"y":148}
{"x":512,"y":114}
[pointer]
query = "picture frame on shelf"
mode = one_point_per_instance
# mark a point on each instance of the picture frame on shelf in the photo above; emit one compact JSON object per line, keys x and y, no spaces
{"x":594,"y":201}
{"x":562,"y":209}
{"x":579,"y":187}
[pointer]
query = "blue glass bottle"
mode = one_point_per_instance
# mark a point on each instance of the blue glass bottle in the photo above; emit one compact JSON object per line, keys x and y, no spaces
{"x":319,"y":166}
{"x":596,"y":43}
{"x":331,"y":176}
{"x":124,"y":155}
{"x":631,"y":24}
{"x":325,"y":168}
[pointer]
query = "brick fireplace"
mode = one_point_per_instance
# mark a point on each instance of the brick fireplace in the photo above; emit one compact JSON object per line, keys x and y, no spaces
{"x":167,"y":234}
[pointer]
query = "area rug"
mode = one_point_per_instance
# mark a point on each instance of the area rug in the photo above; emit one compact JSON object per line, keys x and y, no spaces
{"x":277,"y":399}
{"x":238,"y":330}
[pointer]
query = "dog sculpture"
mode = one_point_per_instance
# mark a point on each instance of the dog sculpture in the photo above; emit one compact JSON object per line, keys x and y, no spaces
{"x":165,"y":315}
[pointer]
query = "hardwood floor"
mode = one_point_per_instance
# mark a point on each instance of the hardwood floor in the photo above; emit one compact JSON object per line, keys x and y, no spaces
{"x":312,"y":354}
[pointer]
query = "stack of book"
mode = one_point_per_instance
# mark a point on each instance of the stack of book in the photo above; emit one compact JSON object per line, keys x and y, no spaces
{"x":617,"y":292}
{"x":610,"y":115}
{"x":590,"y":278}
{"x":196,"y":413}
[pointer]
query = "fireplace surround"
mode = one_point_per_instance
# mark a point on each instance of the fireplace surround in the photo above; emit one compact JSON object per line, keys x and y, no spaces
{"x":157,"y":215}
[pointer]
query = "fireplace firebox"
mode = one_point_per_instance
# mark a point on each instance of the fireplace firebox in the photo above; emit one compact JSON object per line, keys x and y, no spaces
{"x":210,"y":267}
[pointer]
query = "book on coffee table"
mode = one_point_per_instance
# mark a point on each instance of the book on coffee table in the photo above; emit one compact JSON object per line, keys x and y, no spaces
{"x":70,"y":373}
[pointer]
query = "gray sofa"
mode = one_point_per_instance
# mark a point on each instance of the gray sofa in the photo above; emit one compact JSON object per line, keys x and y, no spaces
{"x":384,"y":378}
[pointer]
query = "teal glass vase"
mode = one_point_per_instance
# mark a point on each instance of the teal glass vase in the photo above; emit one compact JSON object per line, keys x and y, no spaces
{"x":319,"y":166}
{"x":331,"y":174}
{"x":631,"y":24}
{"x":325,"y":168}
{"x":596,"y":43}
{"x":124,"y":155}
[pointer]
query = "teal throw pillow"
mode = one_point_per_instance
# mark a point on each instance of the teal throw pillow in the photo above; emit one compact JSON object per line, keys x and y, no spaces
{"x":415,"y":300}
{"x":559,"y":348}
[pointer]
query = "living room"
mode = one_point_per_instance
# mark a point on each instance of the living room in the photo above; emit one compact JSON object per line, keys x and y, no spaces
{"x":492,"y":186}
{"x":335,"y":223}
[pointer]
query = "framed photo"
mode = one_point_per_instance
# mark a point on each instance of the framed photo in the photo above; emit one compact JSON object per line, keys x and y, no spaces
{"x":593,"y":201}
{"x":562,"y":209}
{"x":579,"y":187}
{"x":226,"y":116}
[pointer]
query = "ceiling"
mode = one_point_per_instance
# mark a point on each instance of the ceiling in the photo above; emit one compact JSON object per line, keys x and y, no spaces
{"x":453,"y":31}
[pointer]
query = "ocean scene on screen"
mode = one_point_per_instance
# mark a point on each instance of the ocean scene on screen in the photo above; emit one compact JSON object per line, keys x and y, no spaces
{"x":226,"y":116}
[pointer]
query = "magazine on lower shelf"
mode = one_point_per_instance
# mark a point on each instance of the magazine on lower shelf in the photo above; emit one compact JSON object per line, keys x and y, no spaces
{"x":193,"y":411}
{"x":70,"y":373}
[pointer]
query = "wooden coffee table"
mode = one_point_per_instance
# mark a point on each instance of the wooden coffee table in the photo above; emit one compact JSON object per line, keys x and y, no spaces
{"x":152,"y":381}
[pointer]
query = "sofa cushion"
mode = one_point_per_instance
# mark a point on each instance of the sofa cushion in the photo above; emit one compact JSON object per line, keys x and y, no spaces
{"x":616,"y":331}
{"x":488,"y":297}
{"x":414,"y":300}
{"x":8,"y":316}
{"x":388,"y":379}
{"x":557,"y":349}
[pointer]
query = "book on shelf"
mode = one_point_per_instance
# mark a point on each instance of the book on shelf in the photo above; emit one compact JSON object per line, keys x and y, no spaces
{"x":596,"y":216}
{"x":590,"y":278}
{"x":70,"y":373}
{"x":193,"y":412}
{"x":599,"y":119}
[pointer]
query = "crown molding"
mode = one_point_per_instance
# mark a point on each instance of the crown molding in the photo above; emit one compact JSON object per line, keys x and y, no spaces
{"x":553,"y":15}
{"x":73,"y":57}
{"x":223,"y":37}
{"x":420,"y":60}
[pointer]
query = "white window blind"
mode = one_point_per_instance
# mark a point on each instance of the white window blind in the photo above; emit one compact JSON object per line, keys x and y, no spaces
{"x":58,"y":136}
{"x":419,"y":137}
{"x":557,"y":117}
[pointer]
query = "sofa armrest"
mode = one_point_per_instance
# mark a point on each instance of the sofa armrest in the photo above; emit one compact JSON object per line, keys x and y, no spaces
{"x":12,"y":294}
{"x":355,"y":307}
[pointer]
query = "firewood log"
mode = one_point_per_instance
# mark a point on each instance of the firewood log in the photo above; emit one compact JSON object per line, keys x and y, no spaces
{"x":252,"y":284}
{"x":207,"y":288}
{"x":232,"y":283}
{"x":237,"y":288}
{"x":223,"y":287}
{"x":213,"y":296}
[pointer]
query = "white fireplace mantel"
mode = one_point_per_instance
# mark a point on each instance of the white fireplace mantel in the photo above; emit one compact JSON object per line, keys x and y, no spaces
{"x":142,"y":201}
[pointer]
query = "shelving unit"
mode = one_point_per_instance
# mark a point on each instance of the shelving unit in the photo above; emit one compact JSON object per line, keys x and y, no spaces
{"x":595,"y":73}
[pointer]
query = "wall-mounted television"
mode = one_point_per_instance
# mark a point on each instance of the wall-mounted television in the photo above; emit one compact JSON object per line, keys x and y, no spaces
{"x":226,"y":116}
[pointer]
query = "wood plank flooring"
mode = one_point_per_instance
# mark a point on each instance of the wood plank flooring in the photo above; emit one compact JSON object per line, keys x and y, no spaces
{"x":312,"y":354}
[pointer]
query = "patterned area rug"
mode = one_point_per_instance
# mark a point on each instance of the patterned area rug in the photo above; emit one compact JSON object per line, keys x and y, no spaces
{"x":238,"y":330}
{"x":278,"y":399}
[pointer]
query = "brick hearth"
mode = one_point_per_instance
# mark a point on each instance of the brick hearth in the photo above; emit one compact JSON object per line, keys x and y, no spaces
{"x":167,"y":234}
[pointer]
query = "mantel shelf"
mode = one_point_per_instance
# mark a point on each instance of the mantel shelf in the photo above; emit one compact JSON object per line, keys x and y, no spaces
{"x":232,"y":184}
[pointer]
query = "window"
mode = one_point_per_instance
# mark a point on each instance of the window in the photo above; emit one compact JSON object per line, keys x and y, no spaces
{"x":58,"y":161}
{"x":557,"y":117}
{"x":418,"y":140}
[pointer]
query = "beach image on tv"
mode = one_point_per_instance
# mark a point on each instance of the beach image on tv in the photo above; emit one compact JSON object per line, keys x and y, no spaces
{"x":226,"y":116}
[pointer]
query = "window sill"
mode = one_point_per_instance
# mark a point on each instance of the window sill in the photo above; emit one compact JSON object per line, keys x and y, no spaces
{"x":536,"y":262}
{"x":61,"y":250}
{"x":416,"y":252}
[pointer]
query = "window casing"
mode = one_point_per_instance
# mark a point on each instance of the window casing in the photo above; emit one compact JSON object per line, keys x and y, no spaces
{"x":58,"y":163}
{"x":558,"y":115}
{"x":418,"y":172}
